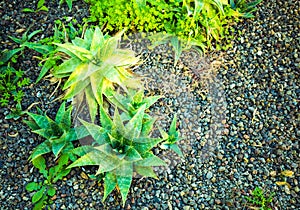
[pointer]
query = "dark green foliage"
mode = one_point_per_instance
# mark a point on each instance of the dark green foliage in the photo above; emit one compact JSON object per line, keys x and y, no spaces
{"x":45,"y":190}
{"x":11,"y":82}
{"x":58,"y":133}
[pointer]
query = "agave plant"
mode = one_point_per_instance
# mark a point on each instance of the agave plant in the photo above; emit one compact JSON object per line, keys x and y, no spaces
{"x":131,"y":102}
{"x":58,"y":133}
{"x":171,"y":138}
{"x":94,"y":64}
{"x":119,"y":150}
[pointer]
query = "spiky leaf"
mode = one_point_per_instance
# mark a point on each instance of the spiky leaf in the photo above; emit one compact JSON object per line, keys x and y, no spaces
{"x":57,"y":146}
{"x":124,"y":178}
{"x":105,"y":120}
{"x":150,"y":160}
{"x":97,"y":132}
{"x":92,"y":103}
{"x":67,"y":67}
{"x":144,"y":147}
{"x":134,"y":126}
{"x":146,"y":171}
{"x":41,"y":149}
{"x":110,"y":183}
{"x":176,"y":149}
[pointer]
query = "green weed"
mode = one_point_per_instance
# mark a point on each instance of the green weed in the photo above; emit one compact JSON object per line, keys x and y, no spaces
{"x":259,"y":199}
{"x":40,"y":7}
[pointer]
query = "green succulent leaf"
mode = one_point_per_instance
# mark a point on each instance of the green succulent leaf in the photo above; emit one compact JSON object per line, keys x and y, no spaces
{"x":147,"y":127}
{"x":124,"y":178}
{"x":145,"y":147}
{"x":97,"y":157}
{"x":6,"y":55}
{"x":50,"y":63}
{"x":65,"y":121}
{"x":138,"y":96}
{"x":46,"y":133}
{"x":40,"y":120}
{"x":110,"y":182}
{"x":134,"y":126}
{"x":177,"y":48}
{"x":79,"y":74}
{"x":57,"y":146}
{"x":163,"y":133}
{"x":92,"y":102}
{"x":176,"y":149}
{"x":60,"y":113}
{"x":146,"y":171}
{"x":43,"y":49}
{"x":132,"y":155}
{"x":97,"y":132}
{"x":41,"y":149}
{"x":97,"y":41}
{"x":76,"y":88}
{"x":73,"y":50}
{"x":97,"y":86}
{"x":117,"y":99}
{"x":119,"y":123}
{"x":67,"y":67}
{"x":150,"y":160}
{"x":79,"y":42}
{"x":32,"y":124}
{"x":173,"y":130}
{"x":81,"y":151}
{"x":105,"y":120}
{"x":149,"y":101}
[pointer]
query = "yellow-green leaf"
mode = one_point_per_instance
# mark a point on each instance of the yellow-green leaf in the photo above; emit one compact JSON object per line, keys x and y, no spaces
{"x":283,"y":183}
{"x":79,"y":74}
{"x":287,"y":173}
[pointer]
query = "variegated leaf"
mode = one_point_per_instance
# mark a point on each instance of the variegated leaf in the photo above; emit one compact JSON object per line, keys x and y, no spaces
{"x":144,"y":147}
{"x":151,"y":160}
{"x":124,"y":178}
{"x":134,"y":126}
{"x":41,"y":149}
{"x":97,"y":132}
{"x":67,"y":67}
{"x":110,"y":183}
{"x":145,"y":171}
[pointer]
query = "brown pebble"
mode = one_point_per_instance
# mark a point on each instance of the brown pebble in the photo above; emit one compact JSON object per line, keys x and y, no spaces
{"x":218,"y":201}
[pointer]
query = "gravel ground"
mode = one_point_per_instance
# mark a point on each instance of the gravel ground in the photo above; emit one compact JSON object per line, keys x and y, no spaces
{"x":240,"y":120}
